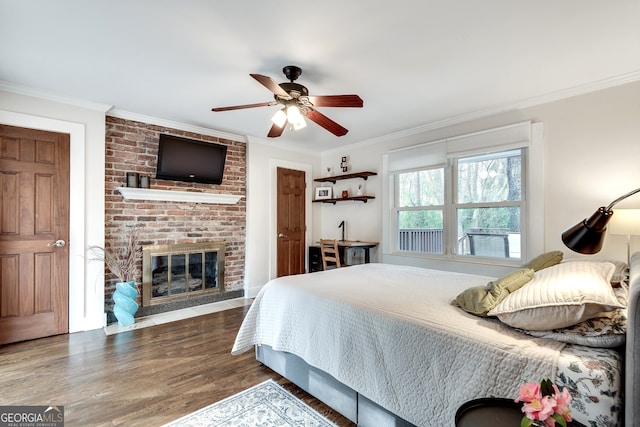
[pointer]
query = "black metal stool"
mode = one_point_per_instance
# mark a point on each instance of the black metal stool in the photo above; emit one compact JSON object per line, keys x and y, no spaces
{"x":491,"y":411}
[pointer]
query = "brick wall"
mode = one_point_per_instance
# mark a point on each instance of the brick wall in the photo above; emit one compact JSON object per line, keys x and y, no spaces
{"x":133,"y":147}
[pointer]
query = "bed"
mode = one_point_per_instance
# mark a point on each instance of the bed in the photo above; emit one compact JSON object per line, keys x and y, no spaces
{"x":384,"y":346}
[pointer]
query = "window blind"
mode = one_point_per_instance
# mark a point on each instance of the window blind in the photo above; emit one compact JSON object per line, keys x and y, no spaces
{"x":418,"y":156}
{"x":435,"y":153}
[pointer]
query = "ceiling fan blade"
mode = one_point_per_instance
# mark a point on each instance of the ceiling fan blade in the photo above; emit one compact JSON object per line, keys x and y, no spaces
{"x":270,"y":84}
{"x":326,"y":123}
{"x":240,"y":107}
{"x":336,"y":101}
{"x":276,"y":130}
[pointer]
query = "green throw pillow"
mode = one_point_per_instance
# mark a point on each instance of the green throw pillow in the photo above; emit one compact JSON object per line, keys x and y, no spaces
{"x":479,"y":300}
{"x":545,"y":260}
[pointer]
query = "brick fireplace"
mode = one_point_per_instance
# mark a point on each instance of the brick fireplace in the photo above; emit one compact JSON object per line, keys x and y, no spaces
{"x":132,"y":146}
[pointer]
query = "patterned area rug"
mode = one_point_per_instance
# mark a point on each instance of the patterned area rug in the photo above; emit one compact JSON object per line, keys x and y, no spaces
{"x":264,"y":405}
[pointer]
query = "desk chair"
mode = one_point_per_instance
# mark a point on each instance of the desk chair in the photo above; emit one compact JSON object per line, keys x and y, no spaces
{"x":329,"y":252}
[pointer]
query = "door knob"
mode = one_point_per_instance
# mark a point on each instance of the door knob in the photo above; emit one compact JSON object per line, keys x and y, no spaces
{"x":58,"y":244}
{"x":281,"y":235}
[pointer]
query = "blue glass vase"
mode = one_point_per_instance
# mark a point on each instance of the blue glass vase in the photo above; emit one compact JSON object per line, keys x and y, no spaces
{"x":125,"y":305}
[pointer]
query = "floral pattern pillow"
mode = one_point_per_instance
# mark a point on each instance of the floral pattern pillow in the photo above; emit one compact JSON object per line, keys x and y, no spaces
{"x":606,"y":330}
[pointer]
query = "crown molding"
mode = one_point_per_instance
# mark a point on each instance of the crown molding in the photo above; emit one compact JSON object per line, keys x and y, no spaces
{"x":127,"y":115}
{"x":113,"y":112}
{"x":50,"y":96}
{"x":532,"y":102}
{"x":579,"y":90}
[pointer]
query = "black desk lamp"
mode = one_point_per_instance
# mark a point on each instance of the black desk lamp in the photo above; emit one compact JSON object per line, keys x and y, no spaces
{"x":587,"y":236}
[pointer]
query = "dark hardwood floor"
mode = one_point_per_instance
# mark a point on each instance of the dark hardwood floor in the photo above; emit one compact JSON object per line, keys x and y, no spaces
{"x":145,"y":377}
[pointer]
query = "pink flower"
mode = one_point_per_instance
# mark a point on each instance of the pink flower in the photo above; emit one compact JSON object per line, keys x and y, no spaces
{"x":562,"y":402}
{"x":529,"y":392}
{"x":540,"y":409}
{"x":544,"y":402}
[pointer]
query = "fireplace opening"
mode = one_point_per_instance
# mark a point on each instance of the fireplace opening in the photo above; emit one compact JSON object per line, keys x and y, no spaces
{"x":174,"y":272}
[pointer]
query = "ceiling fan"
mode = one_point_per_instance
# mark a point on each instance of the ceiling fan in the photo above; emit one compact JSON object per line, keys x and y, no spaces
{"x":297,"y":104}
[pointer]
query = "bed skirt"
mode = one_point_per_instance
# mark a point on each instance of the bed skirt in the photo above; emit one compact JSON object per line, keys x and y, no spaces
{"x":330,"y":391}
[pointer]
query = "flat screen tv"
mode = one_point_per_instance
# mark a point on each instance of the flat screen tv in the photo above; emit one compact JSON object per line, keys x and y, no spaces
{"x":182,"y":159}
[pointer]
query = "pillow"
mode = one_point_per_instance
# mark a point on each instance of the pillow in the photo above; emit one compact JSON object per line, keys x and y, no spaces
{"x":545,"y":260}
{"x":560,"y":296}
{"x":480,"y":299}
{"x":620,"y":274}
{"x":607,"y":330}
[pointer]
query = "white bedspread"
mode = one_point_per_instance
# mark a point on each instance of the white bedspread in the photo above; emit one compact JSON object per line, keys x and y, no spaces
{"x":389,"y":333}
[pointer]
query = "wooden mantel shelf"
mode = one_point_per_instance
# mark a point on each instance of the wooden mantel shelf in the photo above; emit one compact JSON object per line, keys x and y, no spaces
{"x":130,"y":193}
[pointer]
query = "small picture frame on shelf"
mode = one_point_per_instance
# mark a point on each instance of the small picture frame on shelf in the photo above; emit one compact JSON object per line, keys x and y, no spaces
{"x":324,"y":193}
{"x":344,"y":164}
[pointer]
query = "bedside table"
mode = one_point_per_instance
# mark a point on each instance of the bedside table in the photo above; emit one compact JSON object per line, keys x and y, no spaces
{"x":490,"y":412}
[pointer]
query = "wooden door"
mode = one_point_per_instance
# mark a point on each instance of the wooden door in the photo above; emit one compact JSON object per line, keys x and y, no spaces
{"x":34,"y":215}
{"x":291,"y":225}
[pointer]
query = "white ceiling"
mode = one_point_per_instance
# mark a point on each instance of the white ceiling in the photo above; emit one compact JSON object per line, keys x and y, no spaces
{"x":414,"y":63}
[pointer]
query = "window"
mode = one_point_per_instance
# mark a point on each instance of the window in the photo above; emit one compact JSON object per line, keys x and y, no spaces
{"x":462,"y":197}
{"x":488,"y":204}
{"x":420,"y":211}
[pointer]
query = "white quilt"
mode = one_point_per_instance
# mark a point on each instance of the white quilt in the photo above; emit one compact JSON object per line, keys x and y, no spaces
{"x":390,"y":333}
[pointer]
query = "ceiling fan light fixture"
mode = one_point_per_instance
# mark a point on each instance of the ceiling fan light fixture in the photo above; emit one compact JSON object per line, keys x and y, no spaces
{"x":279,"y":118}
{"x":299,"y":125}
{"x":295,"y":117}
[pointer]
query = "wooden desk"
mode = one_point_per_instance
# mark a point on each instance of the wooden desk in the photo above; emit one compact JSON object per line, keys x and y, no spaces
{"x":315,"y":258}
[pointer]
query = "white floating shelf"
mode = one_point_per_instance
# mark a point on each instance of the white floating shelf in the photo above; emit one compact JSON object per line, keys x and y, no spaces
{"x":130,"y":193}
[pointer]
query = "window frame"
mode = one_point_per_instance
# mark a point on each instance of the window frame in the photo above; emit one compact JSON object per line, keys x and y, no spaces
{"x":451,"y":206}
{"x":521,"y":204}
{"x":404,"y":156}
{"x":396,"y":209}
{"x":411,"y":155}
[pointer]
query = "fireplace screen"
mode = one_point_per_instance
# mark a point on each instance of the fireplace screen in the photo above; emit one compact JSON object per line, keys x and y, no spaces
{"x":181,"y":271}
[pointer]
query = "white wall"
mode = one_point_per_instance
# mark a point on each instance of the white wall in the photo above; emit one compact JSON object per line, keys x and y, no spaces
{"x":592,"y":152}
{"x":86,"y":126}
{"x":362,"y":220}
{"x":592,"y":147}
{"x":263,"y":159}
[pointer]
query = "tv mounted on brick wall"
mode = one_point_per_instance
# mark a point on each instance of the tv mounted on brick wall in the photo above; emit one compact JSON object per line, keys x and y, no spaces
{"x":182,"y":159}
